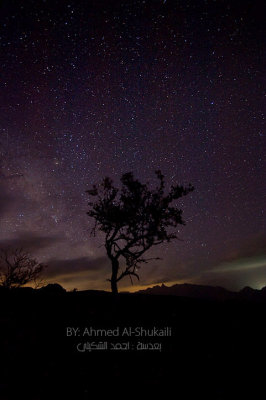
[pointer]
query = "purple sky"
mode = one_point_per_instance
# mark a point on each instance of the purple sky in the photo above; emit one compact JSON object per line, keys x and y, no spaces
{"x":96,"y":88}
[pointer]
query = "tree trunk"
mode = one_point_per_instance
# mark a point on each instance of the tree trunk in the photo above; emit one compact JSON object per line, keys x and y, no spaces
{"x":115,"y":266}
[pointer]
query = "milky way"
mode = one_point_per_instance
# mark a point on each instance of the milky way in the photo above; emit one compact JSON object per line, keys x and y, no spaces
{"x":96,"y":88}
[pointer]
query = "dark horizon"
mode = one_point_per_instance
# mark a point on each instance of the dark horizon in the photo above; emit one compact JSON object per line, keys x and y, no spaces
{"x":138,"y":288}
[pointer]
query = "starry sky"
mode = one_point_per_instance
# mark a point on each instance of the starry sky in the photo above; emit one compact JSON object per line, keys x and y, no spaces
{"x":98,"y":88}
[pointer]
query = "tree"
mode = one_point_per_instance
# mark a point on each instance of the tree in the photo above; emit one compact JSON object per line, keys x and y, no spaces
{"x":17,"y":268}
{"x":134,"y":218}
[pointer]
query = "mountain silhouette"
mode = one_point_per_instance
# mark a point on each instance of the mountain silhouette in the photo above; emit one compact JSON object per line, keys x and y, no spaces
{"x":53,"y":288}
{"x":204,"y":292}
{"x":250,"y":293}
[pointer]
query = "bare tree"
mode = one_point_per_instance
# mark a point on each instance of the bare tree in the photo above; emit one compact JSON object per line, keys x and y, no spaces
{"x":17,"y":268}
{"x":134,"y":220}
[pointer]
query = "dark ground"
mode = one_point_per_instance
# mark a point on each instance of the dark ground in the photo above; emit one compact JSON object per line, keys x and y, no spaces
{"x":217,"y":349}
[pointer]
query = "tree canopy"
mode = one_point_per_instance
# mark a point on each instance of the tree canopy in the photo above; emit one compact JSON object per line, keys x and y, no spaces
{"x":134,"y":218}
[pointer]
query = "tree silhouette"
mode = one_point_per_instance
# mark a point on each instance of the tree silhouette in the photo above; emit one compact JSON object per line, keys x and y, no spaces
{"x":17,"y":268}
{"x":134,"y":218}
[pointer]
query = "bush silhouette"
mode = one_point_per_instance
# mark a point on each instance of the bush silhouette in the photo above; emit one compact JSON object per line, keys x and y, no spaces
{"x":17,"y":268}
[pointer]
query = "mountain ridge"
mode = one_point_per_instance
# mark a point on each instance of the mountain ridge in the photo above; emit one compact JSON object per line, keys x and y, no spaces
{"x":204,"y":292}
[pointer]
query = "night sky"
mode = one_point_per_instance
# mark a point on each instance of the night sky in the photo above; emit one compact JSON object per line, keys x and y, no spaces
{"x":98,"y":88}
